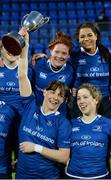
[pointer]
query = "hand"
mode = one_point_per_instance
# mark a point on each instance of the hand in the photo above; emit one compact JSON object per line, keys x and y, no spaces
{"x":35,"y":57}
{"x":27,"y":147}
{"x":23,"y":32}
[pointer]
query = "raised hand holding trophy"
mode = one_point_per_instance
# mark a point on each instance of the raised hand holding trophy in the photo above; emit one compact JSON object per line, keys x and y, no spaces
{"x":13,"y":42}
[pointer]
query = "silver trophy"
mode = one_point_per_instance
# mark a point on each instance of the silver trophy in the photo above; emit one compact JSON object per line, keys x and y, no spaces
{"x":13,"y":42}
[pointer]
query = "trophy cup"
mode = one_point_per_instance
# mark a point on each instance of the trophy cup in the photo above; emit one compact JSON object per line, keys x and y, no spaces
{"x":13,"y":42}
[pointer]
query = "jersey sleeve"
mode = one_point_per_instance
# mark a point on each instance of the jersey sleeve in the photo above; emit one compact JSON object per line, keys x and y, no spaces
{"x":64,"y":133}
{"x":28,"y":103}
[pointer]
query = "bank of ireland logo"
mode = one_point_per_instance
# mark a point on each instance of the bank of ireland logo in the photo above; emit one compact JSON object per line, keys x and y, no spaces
{"x":10,"y":83}
{"x":94,"y":69}
{"x":85,"y":137}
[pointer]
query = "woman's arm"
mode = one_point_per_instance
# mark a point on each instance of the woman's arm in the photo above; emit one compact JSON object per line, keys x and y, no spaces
{"x":35,"y":57}
{"x":61,"y":155}
{"x":24,"y":83}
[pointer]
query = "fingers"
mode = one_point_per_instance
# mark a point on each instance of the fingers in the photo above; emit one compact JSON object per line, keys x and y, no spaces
{"x":21,"y":146}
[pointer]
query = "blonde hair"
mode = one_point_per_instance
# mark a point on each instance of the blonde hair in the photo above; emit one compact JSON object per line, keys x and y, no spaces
{"x":94,"y":91}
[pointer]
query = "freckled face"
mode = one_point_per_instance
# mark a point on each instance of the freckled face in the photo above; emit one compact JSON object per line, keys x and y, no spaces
{"x":59,"y":55}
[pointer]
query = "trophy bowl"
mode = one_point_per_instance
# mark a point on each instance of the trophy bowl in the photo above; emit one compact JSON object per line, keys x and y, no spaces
{"x":13,"y":42}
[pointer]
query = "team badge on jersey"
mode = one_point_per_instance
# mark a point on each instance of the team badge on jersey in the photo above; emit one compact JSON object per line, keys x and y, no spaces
{"x":82,"y":61}
{"x":62,"y":78}
{"x":97,"y":128}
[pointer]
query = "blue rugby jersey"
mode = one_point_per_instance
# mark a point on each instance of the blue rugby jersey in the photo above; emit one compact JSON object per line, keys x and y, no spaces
{"x":50,"y":130}
{"x":9,"y":85}
{"x":44,"y":74}
{"x":6,"y":116}
{"x":92,"y":69}
{"x":89,"y":147}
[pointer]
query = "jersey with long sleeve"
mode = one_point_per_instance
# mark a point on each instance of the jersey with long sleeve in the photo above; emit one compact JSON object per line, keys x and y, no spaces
{"x":45,"y":74}
{"x":49,"y":130}
{"x":92,"y":69}
{"x":6,"y":116}
{"x":89,"y":148}
{"x":9,"y":85}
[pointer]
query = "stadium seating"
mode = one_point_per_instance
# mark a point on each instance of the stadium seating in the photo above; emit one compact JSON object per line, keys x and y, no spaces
{"x":64,"y":16}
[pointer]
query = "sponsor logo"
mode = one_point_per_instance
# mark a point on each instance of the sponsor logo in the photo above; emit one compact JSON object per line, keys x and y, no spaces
{"x":76,"y":129}
{"x":94,"y":69}
{"x":1,"y":74}
{"x":10,"y":83}
{"x":88,"y":143}
{"x":38,"y":134}
{"x":86,"y":137}
{"x":43,"y":75}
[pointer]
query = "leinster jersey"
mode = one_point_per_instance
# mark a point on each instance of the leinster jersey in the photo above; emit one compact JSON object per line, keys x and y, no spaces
{"x":91,"y":68}
{"x":89,"y":148}
{"x":45,"y":74}
{"x":6,"y":116}
{"x":50,"y":130}
{"x":9,"y":85}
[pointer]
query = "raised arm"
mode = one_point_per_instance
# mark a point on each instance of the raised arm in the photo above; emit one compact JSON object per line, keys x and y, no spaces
{"x":24,"y":82}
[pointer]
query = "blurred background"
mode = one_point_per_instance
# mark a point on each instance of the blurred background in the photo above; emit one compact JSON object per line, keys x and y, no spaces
{"x":64,"y":15}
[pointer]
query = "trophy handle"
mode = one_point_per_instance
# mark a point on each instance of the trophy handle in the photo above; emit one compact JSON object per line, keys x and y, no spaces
{"x":41,"y":23}
{"x":23,"y":19}
{"x":46,"y":19}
